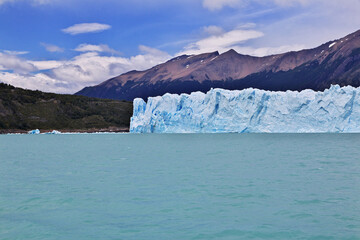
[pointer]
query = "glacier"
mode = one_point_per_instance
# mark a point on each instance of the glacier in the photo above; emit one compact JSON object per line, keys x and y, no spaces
{"x":336,"y":109}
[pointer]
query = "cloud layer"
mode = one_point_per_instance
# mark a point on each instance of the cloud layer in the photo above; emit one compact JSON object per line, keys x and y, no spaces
{"x":219,"y":41}
{"x":88,"y":68}
{"x":52,"y":48}
{"x":102,"y":48}
{"x":219,"y":4}
{"x":86,"y":28}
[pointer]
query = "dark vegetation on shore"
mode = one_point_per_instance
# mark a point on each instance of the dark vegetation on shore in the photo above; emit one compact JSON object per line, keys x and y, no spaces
{"x":22,"y":110}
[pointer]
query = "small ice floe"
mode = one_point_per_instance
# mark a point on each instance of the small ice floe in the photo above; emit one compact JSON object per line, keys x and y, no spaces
{"x":202,"y":61}
{"x":53,"y":132}
{"x":331,"y":45}
{"x":36,"y":131}
{"x":187,"y":66}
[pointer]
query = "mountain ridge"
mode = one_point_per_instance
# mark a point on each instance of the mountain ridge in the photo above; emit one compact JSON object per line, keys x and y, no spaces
{"x":339,"y":60}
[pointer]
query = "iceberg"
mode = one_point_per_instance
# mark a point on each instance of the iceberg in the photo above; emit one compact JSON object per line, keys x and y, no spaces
{"x":53,"y":132}
{"x":36,"y":131}
{"x":251,"y":110}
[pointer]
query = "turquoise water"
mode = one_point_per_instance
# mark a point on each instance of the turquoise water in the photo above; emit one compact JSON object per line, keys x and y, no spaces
{"x":219,"y":186}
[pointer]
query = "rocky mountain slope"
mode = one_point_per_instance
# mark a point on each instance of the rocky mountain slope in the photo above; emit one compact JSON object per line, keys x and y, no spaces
{"x":335,"y":62}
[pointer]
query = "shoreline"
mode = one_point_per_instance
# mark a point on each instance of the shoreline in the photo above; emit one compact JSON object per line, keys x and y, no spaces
{"x":90,"y":130}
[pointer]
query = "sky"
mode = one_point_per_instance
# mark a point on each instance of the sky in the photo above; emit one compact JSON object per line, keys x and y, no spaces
{"x":62,"y":46}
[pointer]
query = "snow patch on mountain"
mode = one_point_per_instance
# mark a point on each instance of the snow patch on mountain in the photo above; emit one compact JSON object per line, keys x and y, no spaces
{"x":331,"y":45}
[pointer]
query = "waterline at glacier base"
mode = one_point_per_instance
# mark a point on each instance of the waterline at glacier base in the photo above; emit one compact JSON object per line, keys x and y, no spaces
{"x":251,"y":110}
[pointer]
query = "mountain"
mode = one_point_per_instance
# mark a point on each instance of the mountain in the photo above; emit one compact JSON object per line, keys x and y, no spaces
{"x":335,"y":62}
{"x":22,"y":110}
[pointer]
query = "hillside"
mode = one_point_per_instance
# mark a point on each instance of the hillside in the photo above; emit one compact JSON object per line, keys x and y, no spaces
{"x":22,"y":110}
{"x":335,"y":62}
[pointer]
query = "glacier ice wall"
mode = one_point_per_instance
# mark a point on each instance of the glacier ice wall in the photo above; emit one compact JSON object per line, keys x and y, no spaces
{"x":250,"y":110}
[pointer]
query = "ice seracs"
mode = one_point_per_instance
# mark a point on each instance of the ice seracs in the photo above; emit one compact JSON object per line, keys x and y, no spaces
{"x":334,"y":110}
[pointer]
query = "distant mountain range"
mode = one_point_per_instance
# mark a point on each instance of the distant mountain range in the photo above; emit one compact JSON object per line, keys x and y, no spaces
{"x":335,"y":62}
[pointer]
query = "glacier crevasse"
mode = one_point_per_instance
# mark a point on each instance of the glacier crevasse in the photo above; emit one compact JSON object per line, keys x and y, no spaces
{"x":251,"y":110}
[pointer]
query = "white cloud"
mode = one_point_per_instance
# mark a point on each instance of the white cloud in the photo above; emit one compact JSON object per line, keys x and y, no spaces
{"x":153,"y":51}
{"x":38,"y":81}
{"x":95,"y":48}
{"x":213,"y":5}
{"x":70,"y":76}
{"x":46,"y":65}
{"x":13,"y":63}
{"x":52,"y":48}
{"x":6,"y":1}
{"x":41,"y":2}
{"x":86,"y":28}
{"x":35,"y":2}
{"x":222,"y":42}
{"x":236,"y":39}
{"x":15,"y":52}
{"x":213,"y":30}
{"x":292,"y":2}
{"x":266,"y":51}
{"x":246,"y":26}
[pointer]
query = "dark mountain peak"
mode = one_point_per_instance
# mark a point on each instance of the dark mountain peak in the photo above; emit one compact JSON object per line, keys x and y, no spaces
{"x":216,"y":53}
{"x":211,"y":54}
{"x":231,"y":52}
{"x":204,"y":56}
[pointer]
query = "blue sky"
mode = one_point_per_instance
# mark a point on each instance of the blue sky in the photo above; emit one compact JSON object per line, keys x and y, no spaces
{"x":64,"y":45}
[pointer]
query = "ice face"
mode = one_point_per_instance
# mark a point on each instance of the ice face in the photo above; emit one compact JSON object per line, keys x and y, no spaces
{"x":250,"y":110}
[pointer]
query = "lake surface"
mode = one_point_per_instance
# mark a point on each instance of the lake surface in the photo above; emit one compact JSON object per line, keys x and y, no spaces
{"x":191,"y":186}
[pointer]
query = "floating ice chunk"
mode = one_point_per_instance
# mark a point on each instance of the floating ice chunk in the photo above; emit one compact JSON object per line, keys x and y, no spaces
{"x":54,"y":132}
{"x":250,"y":110}
{"x":36,"y":131}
